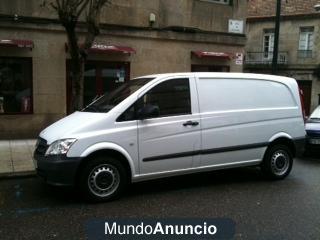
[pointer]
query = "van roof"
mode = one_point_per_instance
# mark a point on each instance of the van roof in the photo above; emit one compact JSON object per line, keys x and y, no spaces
{"x":223,"y":75}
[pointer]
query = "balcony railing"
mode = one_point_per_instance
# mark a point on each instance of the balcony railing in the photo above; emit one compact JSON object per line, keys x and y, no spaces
{"x":305,"y":54}
{"x":265,"y":58}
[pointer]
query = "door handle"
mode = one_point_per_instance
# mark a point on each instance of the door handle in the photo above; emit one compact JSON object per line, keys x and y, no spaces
{"x":191,"y":123}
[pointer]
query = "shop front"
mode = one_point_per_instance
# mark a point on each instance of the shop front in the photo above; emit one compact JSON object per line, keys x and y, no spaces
{"x":101,"y":76}
{"x":36,"y":80}
{"x":15,"y":85}
{"x":15,"y":79}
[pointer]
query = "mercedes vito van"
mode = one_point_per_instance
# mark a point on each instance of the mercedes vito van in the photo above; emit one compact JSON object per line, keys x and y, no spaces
{"x":171,"y":124}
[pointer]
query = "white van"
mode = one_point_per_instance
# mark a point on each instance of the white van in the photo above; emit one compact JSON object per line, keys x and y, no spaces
{"x":171,"y":124}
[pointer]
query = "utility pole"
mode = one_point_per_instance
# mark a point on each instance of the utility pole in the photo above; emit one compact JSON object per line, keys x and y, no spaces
{"x":276,"y":39}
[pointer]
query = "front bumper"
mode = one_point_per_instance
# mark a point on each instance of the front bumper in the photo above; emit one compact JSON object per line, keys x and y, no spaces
{"x":313,"y":141}
{"x":58,"y":170}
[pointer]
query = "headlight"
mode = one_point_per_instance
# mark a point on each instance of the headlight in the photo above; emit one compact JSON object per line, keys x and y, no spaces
{"x":60,"y":146}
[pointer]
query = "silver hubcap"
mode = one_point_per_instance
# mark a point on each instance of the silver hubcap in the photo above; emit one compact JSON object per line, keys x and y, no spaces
{"x":104,"y":180}
{"x":280,"y":162}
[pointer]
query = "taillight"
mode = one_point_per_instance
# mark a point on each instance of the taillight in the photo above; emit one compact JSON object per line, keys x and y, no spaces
{"x":302,"y":105}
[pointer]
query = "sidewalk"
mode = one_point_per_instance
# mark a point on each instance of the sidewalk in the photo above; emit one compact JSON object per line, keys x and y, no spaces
{"x":16,"y":157}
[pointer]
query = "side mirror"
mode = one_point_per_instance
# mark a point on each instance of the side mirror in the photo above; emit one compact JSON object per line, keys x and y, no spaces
{"x":148,"y":111}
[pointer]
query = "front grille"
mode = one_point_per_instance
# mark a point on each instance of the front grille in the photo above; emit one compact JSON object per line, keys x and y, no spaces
{"x":313,"y":133}
{"x":41,"y":146}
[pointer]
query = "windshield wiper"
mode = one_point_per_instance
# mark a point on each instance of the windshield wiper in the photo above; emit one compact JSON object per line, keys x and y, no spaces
{"x":91,"y":108}
{"x":106,"y":108}
{"x":94,"y":108}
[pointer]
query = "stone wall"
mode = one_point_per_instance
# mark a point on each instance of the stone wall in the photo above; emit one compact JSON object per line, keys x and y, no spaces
{"x":153,"y":55}
{"x":158,"y":50}
{"x":187,"y":13}
{"x":258,"y":8}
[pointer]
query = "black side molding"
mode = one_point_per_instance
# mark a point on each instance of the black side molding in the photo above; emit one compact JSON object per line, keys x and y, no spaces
{"x":206,"y":151}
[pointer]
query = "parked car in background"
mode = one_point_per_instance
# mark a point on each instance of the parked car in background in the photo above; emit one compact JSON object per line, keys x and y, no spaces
{"x":313,"y":133}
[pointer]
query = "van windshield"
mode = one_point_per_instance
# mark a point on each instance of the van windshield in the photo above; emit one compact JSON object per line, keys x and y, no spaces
{"x":108,"y":101}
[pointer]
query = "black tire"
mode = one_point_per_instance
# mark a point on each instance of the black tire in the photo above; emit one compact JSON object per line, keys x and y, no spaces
{"x":277,"y":162}
{"x":102,"y":179}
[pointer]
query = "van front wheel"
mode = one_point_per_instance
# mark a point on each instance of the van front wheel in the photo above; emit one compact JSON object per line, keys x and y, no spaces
{"x":102,"y":179}
{"x":277,"y":162}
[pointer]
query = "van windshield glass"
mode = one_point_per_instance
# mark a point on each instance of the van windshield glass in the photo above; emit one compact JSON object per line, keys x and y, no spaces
{"x":108,"y":101}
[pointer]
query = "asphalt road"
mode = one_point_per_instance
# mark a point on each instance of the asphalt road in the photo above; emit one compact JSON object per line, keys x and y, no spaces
{"x":261,"y":209}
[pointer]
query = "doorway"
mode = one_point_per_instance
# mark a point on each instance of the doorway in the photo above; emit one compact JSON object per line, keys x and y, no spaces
{"x":306,"y":87}
{"x":100,"y":78}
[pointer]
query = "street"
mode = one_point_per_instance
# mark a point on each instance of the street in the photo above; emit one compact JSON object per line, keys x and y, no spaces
{"x":262,"y":209}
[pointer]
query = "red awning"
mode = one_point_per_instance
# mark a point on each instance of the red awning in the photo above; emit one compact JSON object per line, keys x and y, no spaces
{"x":111,"y":48}
{"x":16,"y":43}
{"x":102,"y":48}
{"x":220,"y":55}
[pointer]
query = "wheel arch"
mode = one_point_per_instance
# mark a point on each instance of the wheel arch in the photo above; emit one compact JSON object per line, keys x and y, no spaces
{"x":108,"y":149}
{"x":285,"y":139}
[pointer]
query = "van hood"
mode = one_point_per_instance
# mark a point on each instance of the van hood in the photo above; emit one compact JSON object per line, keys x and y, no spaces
{"x":74,"y":123}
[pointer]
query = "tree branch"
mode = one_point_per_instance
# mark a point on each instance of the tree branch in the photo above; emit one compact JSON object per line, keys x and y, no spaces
{"x":69,"y":12}
{"x":93,"y":24}
{"x":82,"y":6}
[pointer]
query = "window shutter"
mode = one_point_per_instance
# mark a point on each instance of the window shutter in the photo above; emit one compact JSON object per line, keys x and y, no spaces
{"x":271,"y":43}
{"x":310,"y":41}
{"x":303,"y":41}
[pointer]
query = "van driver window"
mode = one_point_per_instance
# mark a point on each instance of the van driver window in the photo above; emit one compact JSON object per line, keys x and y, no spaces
{"x":172,"y":97}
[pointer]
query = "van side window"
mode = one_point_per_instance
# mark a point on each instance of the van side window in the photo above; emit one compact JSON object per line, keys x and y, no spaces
{"x":234,"y":94}
{"x":172,"y":97}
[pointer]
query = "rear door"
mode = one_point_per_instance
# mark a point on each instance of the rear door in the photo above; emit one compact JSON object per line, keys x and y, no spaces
{"x":239,"y":116}
{"x":171,"y":141}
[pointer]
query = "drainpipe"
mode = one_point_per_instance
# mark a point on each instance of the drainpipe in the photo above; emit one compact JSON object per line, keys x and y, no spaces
{"x":276,"y":39}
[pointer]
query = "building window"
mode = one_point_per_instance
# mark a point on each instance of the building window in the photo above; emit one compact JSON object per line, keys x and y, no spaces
{"x":15,"y":85}
{"x":268,"y":42}
{"x":218,"y":1}
{"x":306,"y":42}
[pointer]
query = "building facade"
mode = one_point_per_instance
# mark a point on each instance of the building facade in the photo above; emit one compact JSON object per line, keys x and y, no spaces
{"x":137,"y":38}
{"x":298,"y":43}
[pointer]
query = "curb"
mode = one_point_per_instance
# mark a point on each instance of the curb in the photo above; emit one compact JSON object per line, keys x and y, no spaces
{"x":24,"y":174}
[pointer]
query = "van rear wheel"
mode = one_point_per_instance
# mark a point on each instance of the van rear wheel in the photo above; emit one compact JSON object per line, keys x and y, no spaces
{"x":277,"y":162}
{"x":102,"y":179}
